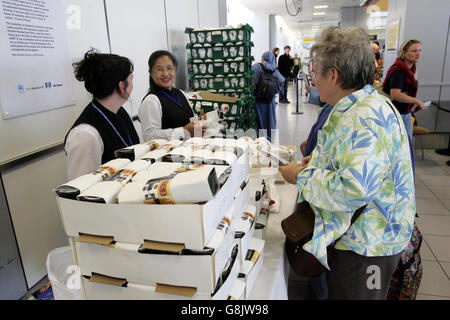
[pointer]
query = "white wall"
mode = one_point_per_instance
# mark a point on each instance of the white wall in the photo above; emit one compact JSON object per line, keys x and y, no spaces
{"x":239,"y":14}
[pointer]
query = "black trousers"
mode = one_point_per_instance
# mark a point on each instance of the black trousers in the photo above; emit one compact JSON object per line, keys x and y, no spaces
{"x":356,"y":277}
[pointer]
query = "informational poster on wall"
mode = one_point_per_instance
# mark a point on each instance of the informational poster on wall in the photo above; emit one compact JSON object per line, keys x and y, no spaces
{"x":35,"y":68}
{"x":393,"y":33}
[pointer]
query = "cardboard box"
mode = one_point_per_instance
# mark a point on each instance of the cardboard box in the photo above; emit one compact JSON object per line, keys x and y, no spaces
{"x":123,"y":260}
{"x":251,"y":276}
{"x":257,"y":190}
{"x":217,"y":97}
{"x":238,"y":290}
{"x":260,"y":233}
{"x":240,"y":168}
{"x":191,"y":225}
{"x":241,"y":200}
{"x":244,"y":242}
{"x":102,"y":287}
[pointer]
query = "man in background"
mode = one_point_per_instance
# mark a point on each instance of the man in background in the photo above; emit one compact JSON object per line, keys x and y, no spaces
{"x":285,"y":63}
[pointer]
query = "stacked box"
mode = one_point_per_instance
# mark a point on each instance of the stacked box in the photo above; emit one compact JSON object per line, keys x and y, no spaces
{"x":220,"y":62}
{"x":156,"y":248}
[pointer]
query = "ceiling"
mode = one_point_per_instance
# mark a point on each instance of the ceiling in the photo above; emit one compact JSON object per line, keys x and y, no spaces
{"x":305,"y":22}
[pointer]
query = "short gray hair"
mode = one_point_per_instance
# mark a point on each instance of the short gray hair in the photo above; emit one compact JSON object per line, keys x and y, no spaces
{"x":349,"y":51}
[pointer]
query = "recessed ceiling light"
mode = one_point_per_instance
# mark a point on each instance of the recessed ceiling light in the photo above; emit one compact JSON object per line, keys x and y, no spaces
{"x":321,"y":13}
{"x":321,"y":7}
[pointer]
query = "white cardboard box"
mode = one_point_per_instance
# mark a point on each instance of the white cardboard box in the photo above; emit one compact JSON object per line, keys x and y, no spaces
{"x":123,"y":260}
{"x":124,"y":290}
{"x":189,"y":224}
{"x":240,"y":168}
{"x":238,"y":290}
{"x":252,"y":275}
{"x":244,"y":241}
{"x":241,"y":201}
{"x":256,"y":186}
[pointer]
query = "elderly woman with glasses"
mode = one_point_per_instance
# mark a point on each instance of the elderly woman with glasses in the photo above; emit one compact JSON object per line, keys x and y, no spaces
{"x":361,"y":159}
{"x":165,"y":111}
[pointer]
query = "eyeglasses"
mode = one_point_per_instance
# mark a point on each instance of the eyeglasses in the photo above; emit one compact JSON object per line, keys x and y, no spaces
{"x":409,"y":43}
{"x":169,"y":69}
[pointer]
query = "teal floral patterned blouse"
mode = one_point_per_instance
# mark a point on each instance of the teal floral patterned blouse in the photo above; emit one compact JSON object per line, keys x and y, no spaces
{"x":362,"y":157}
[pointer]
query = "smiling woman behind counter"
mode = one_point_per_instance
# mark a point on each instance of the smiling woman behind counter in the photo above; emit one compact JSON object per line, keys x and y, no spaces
{"x":165,"y":112}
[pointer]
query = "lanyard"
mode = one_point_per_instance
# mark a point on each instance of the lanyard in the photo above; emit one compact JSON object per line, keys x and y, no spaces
{"x":178,"y":101}
{"x":117,"y":132}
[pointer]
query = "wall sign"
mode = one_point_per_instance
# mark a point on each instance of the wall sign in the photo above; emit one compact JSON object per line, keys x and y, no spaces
{"x":35,"y":69}
{"x":393,"y":34}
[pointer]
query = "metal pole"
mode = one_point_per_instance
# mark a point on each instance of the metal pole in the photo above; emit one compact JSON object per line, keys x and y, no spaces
{"x":296,"y":96}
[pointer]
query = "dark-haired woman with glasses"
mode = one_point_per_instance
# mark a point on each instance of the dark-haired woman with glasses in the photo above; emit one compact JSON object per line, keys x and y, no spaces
{"x":103,"y":126}
{"x":165,"y":112}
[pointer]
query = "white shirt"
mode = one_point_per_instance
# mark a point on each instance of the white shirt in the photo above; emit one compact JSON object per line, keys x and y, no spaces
{"x":150,"y":115}
{"x":84,"y":149}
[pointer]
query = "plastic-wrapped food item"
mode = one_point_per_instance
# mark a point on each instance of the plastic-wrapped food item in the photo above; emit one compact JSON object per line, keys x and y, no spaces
{"x":106,"y":191}
{"x":221,"y":231}
{"x":254,"y":251}
{"x":272,"y":193}
{"x":233,"y":52}
{"x":201,"y":37}
{"x":134,"y":152}
{"x":241,"y":35}
{"x":238,"y":290}
{"x":233,"y":35}
{"x":202,"y":53}
{"x":187,"y":184}
{"x":224,"y":36}
{"x":227,"y":269}
{"x":73,"y":188}
{"x":244,"y":225}
{"x":163,"y":149}
{"x":202,"y":68}
{"x":225,"y":52}
{"x":193,"y":38}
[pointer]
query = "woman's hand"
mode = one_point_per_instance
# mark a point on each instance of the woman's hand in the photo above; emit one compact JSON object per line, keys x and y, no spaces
{"x":305,"y":161}
{"x":193,"y":127}
{"x":290,"y":172}
{"x":420,"y":103}
{"x":190,"y":128}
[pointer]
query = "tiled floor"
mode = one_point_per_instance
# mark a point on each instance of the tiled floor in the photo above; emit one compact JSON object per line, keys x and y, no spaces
{"x":432,"y":201}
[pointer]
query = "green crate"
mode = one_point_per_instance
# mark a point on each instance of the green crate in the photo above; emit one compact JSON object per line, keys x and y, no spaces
{"x":227,"y":51}
{"x":220,"y":35}
{"x":215,"y":67}
{"x":236,"y":93}
{"x":241,"y":81}
{"x":229,"y":109}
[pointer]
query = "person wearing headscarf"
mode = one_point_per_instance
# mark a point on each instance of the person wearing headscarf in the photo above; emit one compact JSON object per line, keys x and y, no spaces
{"x":266,"y":110}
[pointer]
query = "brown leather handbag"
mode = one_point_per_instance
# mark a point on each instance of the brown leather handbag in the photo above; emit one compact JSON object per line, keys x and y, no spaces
{"x":299,"y":229}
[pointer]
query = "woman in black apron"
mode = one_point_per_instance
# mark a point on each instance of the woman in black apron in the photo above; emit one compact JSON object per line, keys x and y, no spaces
{"x":103,"y":126}
{"x":165,"y":112}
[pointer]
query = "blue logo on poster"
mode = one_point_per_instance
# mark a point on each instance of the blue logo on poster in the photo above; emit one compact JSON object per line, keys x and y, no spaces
{"x":48,"y":84}
{"x":21,"y":88}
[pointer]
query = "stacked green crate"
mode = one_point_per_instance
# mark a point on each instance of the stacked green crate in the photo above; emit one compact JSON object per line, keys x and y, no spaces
{"x":220,"y":62}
